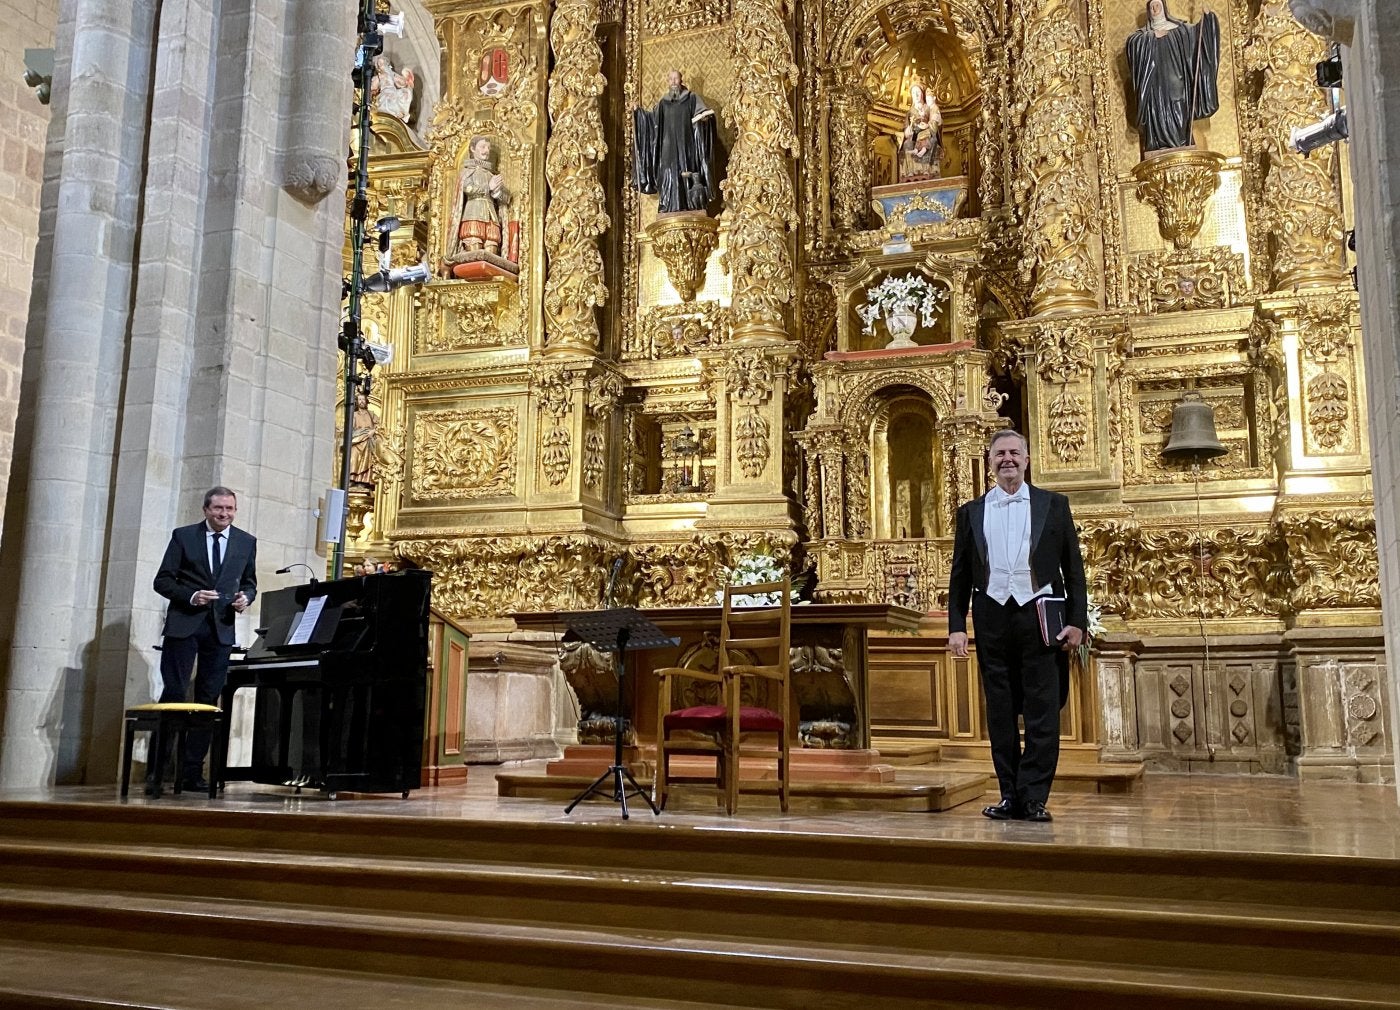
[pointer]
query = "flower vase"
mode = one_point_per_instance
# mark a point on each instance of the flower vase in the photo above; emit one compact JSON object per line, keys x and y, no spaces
{"x":900,"y":326}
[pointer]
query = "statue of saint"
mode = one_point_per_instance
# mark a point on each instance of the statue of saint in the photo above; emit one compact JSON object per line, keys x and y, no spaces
{"x":675,"y":147}
{"x":1174,"y":68}
{"x":364,"y":443}
{"x":921,"y":153}
{"x":392,"y":90}
{"x":482,"y":221}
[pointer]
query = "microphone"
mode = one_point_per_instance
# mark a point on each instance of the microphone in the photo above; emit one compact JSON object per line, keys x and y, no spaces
{"x":612,"y":580}
{"x":284,"y":571}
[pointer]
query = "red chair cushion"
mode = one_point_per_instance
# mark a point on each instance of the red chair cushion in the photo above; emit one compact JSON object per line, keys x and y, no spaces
{"x":711,"y":718}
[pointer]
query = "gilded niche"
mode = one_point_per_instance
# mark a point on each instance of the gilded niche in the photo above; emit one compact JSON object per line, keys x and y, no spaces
{"x":463,"y":454}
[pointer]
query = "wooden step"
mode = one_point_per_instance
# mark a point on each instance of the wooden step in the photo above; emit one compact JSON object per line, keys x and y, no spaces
{"x":924,"y":919}
{"x":47,"y":977}
{"x":743,"y":973}
{"x":688,"y":908}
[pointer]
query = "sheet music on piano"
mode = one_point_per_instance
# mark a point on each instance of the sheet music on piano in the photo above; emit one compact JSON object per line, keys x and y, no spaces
{"x":306,"y":622}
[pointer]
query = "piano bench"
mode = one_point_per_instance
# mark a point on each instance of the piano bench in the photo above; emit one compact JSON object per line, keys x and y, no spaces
{"x":161,"y":719}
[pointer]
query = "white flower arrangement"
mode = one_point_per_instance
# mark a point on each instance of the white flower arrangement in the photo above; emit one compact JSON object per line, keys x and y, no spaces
{"x":910,"y":293}
{"x":749,"y":570}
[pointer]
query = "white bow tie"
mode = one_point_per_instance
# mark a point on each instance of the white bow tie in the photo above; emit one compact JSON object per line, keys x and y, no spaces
{"x":1014,"y":498}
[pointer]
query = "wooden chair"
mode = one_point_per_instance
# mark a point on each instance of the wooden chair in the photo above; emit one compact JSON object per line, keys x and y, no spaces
{"x":754,"y":646}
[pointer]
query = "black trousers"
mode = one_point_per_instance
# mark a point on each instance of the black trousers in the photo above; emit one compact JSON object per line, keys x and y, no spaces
{"x":1020,"y":677}
{"x":177,"y":664}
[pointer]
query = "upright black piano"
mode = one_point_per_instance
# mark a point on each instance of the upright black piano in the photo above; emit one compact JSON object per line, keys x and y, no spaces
{"x":339,"y":673}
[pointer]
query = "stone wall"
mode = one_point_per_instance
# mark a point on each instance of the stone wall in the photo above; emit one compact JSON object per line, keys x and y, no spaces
{"x":29,"y":24}
{"x":1368,"y":29}
{"x":182,"y":333}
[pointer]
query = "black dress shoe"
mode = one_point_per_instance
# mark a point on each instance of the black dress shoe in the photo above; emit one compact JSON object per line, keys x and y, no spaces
{"x":1006,"y":810}
{"x":1036,"y":812}
{"x":194,"y":786}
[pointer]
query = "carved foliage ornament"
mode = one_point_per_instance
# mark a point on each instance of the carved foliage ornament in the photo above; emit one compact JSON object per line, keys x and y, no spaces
{"x":551,"y":385}
{"x":577,"y":214}
{"x":666,"y":16}
{"x":749,"y":377}
{"x":1332,"y":558}
{"x":684,"y":243}
{"x":669,"y":331}
{"x":1301,"y":209}
{"x":1177,"y":186}
{"x":760,"y":204}
{"x":604,"y":391}
{"x":1062,"y":350}
{"x":1190,"y":279}
{"x":463,"y":454}
{"x":1054,"y":149}
{"x":1069,"y":426}
{"x":494,"y":576}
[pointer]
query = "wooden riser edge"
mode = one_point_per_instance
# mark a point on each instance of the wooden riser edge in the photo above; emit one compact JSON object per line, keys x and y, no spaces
{"x":932,"y":920}
{"x":748,"y":849}
{"x":759,"y":792}
{"x":729,"y":971}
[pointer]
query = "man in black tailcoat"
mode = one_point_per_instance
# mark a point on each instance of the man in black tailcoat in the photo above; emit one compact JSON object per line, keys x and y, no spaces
{"x":1013,"y":545}
{"x":208,"y":574}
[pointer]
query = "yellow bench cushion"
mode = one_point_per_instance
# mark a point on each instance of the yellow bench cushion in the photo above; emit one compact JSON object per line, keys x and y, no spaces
{"x":173,"y":706}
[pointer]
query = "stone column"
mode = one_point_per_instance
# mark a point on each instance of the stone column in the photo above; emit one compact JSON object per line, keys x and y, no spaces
{"x":576,"y":216}
{"x":57,"y":513}
{"x":760,"y":205}
{"x":186,"y":339}
{"x":1055,"y":186}
{"x":21,"y":177}
{"x":1371,"y":62}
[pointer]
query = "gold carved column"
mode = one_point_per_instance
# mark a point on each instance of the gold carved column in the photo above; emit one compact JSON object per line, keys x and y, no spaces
{"x":576,"y":216}
{"x":1054,"y":184}
{"x":849,"y":152}
{"x":751,"y":385}
{"x":760,"y":205}
{"x":1300,"y":210}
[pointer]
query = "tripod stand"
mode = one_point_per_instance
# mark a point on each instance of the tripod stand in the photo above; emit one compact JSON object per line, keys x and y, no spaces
{"x":616,"y":631}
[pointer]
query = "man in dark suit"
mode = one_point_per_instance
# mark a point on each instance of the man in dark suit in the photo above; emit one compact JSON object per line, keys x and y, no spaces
{"x":208,"y":574}
{"x":1013,"y":545}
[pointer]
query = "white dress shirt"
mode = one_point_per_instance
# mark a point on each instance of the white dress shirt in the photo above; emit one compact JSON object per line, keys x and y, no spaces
{"x":1006,"y":523}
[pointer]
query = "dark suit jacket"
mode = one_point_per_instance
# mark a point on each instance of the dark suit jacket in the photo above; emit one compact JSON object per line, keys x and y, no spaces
{"x":185,"y":570}
{"x":1055,"y":557}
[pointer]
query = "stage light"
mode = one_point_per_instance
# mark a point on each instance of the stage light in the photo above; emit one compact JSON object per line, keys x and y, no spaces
{"x":38,"y":73}
{"x":1330,"y":129}
{"x":389,"y":280}
{"x":1329,"y":71}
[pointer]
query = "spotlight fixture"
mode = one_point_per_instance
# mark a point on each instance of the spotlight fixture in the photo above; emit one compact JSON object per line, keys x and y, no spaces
{"x":1330,"y":129}
{"x":389,"y":280}
{"x":1329,"y":71}
{"x":38,"y":73}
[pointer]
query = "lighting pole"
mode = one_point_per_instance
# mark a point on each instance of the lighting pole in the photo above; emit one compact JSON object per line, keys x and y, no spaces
{"x":370,"y":28}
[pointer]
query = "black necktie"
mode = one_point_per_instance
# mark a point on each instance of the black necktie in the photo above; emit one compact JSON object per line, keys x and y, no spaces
{"x":218,"y":554}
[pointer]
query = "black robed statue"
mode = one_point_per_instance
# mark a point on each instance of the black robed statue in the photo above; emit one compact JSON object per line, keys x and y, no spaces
{"x":1174,"y":67}
{"x":674,"y":152}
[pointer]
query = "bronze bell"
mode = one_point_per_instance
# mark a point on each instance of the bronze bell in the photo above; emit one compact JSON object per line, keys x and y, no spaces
{"x":1193,"y":430}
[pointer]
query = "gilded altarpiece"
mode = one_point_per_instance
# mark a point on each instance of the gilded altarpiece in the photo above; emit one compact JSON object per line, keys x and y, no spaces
{"x":678,"y":392}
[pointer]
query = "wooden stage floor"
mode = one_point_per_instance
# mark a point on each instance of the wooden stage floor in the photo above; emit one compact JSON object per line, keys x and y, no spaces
{"x":1198,"y":813}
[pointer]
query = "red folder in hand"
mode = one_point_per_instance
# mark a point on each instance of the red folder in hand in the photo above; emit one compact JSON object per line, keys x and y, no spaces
{"x":1051,"y":610}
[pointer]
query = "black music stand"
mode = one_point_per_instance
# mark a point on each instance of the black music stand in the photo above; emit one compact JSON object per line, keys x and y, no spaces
{"x":618,"y":631}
